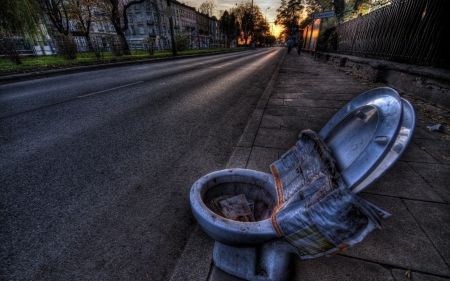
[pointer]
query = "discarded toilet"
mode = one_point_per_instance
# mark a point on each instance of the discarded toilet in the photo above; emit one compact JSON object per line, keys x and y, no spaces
{"x":260,"y":220}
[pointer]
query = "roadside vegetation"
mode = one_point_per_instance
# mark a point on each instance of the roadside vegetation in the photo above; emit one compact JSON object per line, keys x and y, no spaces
{"x":41,"y":63}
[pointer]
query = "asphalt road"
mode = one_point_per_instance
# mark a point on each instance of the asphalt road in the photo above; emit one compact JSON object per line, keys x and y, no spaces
{"x":96,"y":166}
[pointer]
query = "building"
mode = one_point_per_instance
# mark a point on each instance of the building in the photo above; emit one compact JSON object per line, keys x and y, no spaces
{"x":188,"y":21}
{"x":203,"y":31}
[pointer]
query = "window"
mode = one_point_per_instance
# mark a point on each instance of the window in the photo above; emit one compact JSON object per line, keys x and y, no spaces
{"x":141,"y":30}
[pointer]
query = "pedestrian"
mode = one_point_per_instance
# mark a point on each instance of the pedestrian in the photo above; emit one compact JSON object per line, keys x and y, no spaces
{"x":290,"y":44}
{"x":299,"y":43}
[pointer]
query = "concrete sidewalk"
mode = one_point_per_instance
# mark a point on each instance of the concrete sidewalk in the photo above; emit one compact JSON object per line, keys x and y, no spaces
{"x":414,"y":243}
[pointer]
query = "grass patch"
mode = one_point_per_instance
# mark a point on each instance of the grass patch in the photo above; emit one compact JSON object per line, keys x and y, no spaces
{"x":41,"y":63}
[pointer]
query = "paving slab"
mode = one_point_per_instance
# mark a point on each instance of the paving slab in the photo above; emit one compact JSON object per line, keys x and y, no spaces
{"x":408,"y":275}
{"x":401,"y":242}
{"x":437,"y":176}
{"x":416,"y":153}
{"x":261,"y":158}
{"x":315,"y":103}
{"x":276,"y":101}
{"x":276,"y":138}
{"x":271,"y":122}
{"x":339,"y":268}
{"x":434,"y":220}
{"x":439,"y":149}
{"x":281,"y":110}
{"x":402,"y":181}
{"x":300,"y":123}
{"x":323,"y":113}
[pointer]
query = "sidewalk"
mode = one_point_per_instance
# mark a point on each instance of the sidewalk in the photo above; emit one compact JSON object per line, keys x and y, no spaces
{"x":414,"y":243}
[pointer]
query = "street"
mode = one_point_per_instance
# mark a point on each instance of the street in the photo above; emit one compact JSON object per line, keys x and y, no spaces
{"x":96,"y":166}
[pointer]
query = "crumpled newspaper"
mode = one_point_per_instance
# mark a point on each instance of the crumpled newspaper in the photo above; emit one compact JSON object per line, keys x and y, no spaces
{"x":317,"y":213}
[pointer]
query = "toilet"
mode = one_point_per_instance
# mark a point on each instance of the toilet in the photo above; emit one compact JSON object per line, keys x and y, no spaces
{"x":366,"y":137}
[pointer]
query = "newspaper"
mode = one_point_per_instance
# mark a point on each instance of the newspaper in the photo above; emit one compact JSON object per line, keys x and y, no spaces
{"x":317,"y":214}
{"x":234,"y":207}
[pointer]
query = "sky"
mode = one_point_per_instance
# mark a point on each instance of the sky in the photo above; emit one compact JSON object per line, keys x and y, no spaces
{"x":271,"y":13}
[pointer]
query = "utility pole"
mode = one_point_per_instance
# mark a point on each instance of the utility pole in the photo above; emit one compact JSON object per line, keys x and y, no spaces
{"x":252,"y":25}
{"x":172,"y":37}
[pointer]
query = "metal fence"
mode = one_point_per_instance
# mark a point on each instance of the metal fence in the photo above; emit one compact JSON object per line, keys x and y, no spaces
{"x":408,"y":31}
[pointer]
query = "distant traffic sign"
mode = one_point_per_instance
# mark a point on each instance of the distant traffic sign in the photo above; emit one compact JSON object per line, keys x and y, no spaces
{"x":328,"y":14}
{"x":169,"y":12}
{"x":324,"y":3}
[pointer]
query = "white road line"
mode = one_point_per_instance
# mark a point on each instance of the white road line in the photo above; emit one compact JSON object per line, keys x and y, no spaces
{"x":91,"y":94}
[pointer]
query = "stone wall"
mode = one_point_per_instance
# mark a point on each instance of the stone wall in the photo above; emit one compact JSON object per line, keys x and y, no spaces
{"x":430,"y":84}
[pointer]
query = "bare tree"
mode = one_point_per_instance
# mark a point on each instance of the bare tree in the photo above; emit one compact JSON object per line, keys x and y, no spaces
{"x":56,"y":10}
{"x":81,"y":13}
{"x":207,"y":8}
{"x":59,"y":15}
{"x":118,"y":9}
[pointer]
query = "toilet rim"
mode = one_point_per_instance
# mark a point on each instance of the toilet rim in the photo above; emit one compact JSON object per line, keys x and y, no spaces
{"x":222,"y":226}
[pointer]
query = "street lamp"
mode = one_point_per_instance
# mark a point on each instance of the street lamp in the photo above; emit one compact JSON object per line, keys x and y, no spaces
{"x":269,"y":30}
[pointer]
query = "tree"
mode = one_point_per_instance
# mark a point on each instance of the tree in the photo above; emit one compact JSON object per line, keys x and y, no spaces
{"x":229,"y":26}
{"x":207,"y":8}
{"x":260,"y":25}
{"x":289,"y":14}
{"x":81,"y":14}
{"x":293,"y":13}
{"x":56,"y":10}
{"x":182,"y":42}
{"x":252,"y":23}
{"x":118,"y":9}
{"x":243,"y":13}
{"x":18,"y":18}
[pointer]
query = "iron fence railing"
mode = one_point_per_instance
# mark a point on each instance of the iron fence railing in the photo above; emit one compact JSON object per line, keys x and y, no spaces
{"x":409,"y":31}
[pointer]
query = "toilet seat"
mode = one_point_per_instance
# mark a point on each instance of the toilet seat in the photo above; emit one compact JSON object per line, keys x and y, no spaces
{"x":368,"y":135}
{"x":406,"y":131}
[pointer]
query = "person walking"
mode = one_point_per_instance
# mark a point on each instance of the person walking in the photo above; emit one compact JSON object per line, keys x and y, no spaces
{"x":290,"y":44}
{"x":299,"y":43}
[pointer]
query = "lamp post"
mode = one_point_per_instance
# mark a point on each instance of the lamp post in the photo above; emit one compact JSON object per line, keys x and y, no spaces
{"x":251,"y":21}
{"x":265,"y":35}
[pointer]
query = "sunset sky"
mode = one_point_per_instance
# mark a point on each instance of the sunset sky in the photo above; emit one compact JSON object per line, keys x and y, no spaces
{"x":271,"y":13}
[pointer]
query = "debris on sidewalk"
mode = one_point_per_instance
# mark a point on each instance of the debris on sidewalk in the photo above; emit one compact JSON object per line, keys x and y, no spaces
{"x":436,"y":127}
{"x":408,"y":273}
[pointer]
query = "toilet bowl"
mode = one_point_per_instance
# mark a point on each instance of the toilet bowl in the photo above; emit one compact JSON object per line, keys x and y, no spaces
{"x":366,"y":137}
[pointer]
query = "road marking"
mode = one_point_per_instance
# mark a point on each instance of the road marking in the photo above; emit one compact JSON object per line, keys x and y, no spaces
{"x":91,"y":94}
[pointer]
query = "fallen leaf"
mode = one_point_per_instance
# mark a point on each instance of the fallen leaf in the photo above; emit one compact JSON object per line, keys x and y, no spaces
{"x":408,"y":273}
